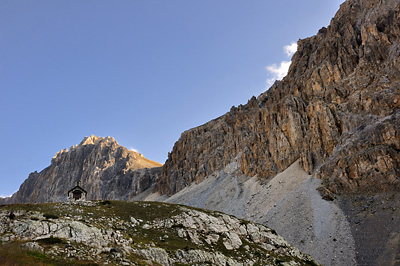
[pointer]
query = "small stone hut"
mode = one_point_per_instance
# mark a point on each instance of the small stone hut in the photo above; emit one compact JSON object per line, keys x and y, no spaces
{"x":77,"y":193}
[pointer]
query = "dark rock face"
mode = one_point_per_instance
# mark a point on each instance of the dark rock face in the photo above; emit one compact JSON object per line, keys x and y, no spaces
{"x":337,"y":111}
{"x":374,"y":221}
{"x":105,"y":170}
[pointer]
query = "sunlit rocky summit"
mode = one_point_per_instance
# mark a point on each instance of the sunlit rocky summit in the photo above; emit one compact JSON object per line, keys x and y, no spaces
{"x":316,"y":157}
{"x":103,"y":167}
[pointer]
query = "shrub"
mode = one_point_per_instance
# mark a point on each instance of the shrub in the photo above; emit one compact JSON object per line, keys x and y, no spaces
{"x":50,"y":241}
{"x":105,"y":202}
{"x":178,"y":226}
{"x":50,"y":216}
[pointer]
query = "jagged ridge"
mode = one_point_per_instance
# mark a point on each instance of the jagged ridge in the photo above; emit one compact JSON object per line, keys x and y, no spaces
{"x":343,"y":86}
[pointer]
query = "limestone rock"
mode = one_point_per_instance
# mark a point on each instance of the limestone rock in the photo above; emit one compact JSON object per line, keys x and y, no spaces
{"x":337,"y":111}
{"x":107,"y":233}
{"x":104,"y":169}
{"x":231,"y":241}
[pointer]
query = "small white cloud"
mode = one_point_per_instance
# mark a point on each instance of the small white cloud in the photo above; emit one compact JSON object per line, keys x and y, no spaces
{"x":278,"y":72}
{"x":290,"y":49}
{"x":133,"y":149}
{"x":2,"y":196}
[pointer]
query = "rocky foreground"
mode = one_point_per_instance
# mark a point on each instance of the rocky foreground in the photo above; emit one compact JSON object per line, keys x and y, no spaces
{"x":137,"y":233}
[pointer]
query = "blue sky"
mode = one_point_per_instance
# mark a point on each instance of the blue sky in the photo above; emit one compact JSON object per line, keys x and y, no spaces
{"x":141,"y":71}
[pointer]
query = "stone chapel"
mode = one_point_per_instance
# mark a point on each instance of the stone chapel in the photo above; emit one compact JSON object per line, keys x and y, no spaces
{"x":77,"y":193}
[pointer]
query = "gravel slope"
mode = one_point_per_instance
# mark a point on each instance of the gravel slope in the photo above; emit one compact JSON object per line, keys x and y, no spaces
{"x":288,"y":203}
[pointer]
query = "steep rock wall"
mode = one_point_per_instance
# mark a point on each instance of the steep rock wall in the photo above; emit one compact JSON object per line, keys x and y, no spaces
{"x":343,"y":86}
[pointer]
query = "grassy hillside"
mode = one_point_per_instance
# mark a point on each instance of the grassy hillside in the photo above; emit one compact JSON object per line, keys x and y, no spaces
{"x":136,"y":233}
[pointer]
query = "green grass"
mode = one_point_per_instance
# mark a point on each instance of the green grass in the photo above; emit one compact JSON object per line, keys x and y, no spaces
{"x":12,"y":254}
{"x":147,"y":211}
{"x":142,"y":261}
{"x":38,"y":256}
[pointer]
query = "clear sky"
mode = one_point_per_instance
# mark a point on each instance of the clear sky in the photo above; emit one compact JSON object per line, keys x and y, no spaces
{"x":141,"y":71}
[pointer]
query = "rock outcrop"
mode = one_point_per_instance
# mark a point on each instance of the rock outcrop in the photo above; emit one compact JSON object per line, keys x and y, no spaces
{"x":140,"y":233}
{"x":103,"y":167}
{"x":337,"y":111}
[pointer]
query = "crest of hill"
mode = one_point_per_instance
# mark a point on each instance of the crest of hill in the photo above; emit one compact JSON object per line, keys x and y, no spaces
{"x":137,"y":233}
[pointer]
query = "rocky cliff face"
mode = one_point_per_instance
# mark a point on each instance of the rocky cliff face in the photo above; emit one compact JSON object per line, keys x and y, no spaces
{"x":337,"y":111}
{"x":336,"y":116}
{"x":104,"y":169}
{"x":137,"y":233}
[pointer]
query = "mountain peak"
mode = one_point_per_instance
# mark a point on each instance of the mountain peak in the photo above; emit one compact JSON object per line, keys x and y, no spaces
{"x":92,"y":139}
{"x":100,"y":164}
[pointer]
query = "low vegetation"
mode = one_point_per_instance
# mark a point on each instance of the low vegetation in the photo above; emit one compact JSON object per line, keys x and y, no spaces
{"x":12,"y":254}
{"x":127,"y":233}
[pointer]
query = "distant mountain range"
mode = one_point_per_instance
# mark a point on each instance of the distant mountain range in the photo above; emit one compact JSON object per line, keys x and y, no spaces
{"x":316,"y":157}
